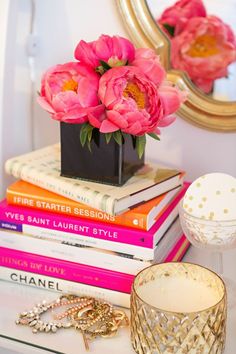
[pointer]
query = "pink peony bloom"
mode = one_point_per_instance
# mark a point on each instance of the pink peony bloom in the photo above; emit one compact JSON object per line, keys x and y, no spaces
{"x":69,"y":91}
{"x":204,"y":50}
{"x":148,"y":61}
{"x":178,"y":15}
{"x":133,"y":103}
{"x":115,"y":51}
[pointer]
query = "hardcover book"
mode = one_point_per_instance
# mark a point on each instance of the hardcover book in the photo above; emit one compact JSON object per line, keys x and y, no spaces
{"x":42,"y":168}
{"x":12,"y":257}
{"x":63,"y":286}
{"x":14,"y":267}
{"x":25,"y":220}
{"x":21,"y":193}
{"x":90,"y":256}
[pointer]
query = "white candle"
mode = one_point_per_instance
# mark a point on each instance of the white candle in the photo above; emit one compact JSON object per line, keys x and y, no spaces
{"x":178,"y":294}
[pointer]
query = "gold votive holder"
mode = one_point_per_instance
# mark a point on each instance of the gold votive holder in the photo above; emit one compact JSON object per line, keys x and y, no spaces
{"x":178,"y":308}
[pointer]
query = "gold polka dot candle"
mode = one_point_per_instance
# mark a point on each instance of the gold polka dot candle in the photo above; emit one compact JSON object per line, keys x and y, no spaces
{"x":212,"y":197}
{"x":208,"y":211}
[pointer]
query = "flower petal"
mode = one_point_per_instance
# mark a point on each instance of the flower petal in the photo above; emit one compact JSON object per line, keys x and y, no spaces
{"x":108,"y":127}
{"x":171,"y":99}
{"x":164,"y":122}
{"x":84,"y":52}
{"x":117,"y":119}
{"x":96,"y":115}
{"x":135,"y":129}
{"x":45,"y":105}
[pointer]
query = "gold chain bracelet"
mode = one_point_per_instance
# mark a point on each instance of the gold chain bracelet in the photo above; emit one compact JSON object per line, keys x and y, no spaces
{"x":92,"y":317}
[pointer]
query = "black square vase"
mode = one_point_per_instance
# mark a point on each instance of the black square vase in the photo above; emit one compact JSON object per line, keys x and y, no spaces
{"x":106,"y":163}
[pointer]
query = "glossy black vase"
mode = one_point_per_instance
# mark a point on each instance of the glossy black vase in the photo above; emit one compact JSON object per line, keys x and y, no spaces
{"x":106,"y":163}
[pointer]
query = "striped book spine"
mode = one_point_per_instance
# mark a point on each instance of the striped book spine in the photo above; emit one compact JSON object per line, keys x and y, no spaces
{"x":13,"y":218}
{"x":76,"y":272}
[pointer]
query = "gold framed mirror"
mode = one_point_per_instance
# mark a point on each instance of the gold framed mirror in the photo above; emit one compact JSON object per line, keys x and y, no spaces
{"x":199,"y":109}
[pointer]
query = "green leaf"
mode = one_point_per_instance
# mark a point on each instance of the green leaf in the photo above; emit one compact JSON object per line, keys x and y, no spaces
{"x":125,"y":136}
{"x":90,"y":133}
{"x":86,"y":132}
{"x":170,"y":29}
{"x":83,"y":134}
{"x":140,"y":145}
{"x":118,"y":137}
{"x":89,"y":145}
{"x":154,"y":136}
{"x":105,"y":65}
{"x":108,"y":137}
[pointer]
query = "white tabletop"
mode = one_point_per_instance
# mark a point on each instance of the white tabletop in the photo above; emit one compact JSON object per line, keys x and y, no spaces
{"x":16,"y":298}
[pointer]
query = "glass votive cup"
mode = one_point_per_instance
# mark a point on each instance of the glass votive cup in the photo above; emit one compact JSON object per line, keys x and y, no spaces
{"x":178,"y":308}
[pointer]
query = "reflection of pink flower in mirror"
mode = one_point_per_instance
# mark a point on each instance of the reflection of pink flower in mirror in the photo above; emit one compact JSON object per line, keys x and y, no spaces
{"x":114,"y":51}
{"x":204,"y":50}
{"x":133,"y":103}
{"x":68,"y":91}
{"x":175,"y":17}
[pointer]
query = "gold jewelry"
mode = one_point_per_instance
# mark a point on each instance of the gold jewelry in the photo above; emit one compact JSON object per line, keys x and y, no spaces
{"x":92,"y":317}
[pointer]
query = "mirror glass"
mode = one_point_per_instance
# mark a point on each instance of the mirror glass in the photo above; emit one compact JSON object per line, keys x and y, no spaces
{"x":223,"y":88}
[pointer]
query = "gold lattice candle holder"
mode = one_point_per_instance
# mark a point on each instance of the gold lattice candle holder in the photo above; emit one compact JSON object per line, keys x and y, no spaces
{"x":178,"y":308}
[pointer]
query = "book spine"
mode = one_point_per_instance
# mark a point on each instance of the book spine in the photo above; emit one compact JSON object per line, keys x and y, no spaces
{"x":10,"y":216}
{"x":70,"y":208}
{"x":13,"y":218}
{"x":54,"y":227}
{"x":64,"y":286}
{"x":80,"y":240}
{"x":85,"y":256}
{"x":57,"y":268}
{"x":78,"y":273}
{"x":25,"y":216}
{"x":179,"y":250}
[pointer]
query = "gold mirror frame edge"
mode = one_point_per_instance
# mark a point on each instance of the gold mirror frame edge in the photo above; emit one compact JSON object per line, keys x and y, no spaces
{"x":199,"y":109}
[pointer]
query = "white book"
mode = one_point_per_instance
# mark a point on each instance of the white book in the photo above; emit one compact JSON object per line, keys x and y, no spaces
{"x":64,"y":286}
{"x":88,"y":255}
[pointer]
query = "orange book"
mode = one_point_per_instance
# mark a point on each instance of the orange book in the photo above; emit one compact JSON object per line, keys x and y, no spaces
{"x":142,"y":217}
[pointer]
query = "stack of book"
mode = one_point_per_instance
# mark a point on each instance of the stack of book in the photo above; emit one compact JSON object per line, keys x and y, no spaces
{"x":82,"y":237}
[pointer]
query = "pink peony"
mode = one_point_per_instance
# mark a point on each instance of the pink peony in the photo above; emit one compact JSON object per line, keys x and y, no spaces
{"x":133,"y":103}
{"x":115,"y":51}
{"x":178,"y":15}
{"x":204,"y":50}
{"x":69,"y":91}
{"x":149,"y":63}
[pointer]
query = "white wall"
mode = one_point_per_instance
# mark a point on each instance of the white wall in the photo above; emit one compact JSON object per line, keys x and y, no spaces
{"x":15,"y":84}
{"x":59,"y":25}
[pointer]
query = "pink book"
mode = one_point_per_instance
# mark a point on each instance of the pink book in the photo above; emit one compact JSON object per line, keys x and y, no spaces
{"x":15,"y":218}
{"x":179,"y":250}
{"x":76,"y":272}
